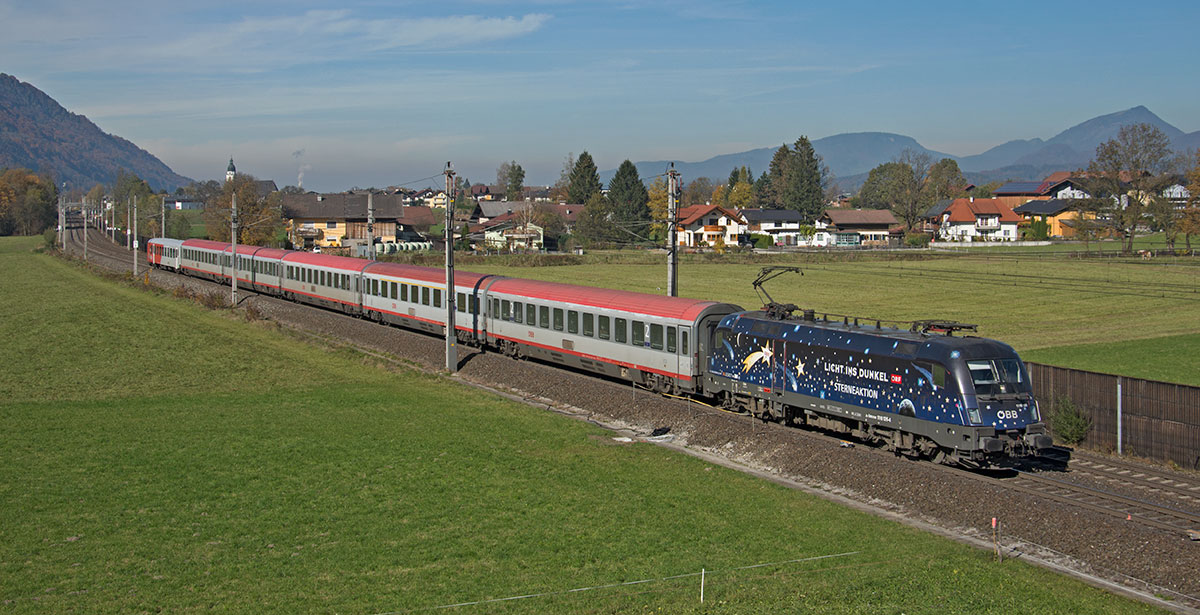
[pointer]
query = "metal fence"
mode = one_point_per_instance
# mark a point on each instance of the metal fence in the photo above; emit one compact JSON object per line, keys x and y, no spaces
{"x":1130,"y":416}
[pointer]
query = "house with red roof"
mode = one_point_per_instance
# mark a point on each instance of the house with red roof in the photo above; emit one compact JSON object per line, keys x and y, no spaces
{"x":703,"y":225}
{"x":973,"y":219}
{"x":1059,"y":185}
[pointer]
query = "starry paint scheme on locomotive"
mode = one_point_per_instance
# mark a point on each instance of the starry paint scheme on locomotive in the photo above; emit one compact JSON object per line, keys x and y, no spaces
{"x":887,"y":373}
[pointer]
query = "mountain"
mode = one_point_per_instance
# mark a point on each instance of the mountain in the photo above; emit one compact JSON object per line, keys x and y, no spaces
{"x":845,"y":154}
{"x":37,"y":133}
{"x":850,"y":156}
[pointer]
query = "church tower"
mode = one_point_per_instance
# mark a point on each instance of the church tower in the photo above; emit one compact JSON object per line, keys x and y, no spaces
{"x":231,"y":171}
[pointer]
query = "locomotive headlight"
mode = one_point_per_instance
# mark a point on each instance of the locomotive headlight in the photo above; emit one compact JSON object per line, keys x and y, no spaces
{"x":973,"y":415}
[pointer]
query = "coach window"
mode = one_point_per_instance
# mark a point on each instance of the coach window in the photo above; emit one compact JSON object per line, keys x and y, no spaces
{"x":639,"y":333}
{"x":518,"y":309}
{"x":404,"y":292}
{"x":424,"y":295}
{"x":671,"y":339}
{"x":588,"y":323}
{"x":656,"y":337}
{"x":530,"y":314}
{"x":558,"y":319}
{"x":543,"y":317}
{"x":375,"y":287}
{"x":683,"y":339}
{"x":621,"y":335}
{"x":462,"y":303}
{"x":602,"y":333}
{"x":572,"y":321}
{"x":437,"y":297}
{"x":495,"y":308}
{"x":506,"y":310}
{"x":395,"y":291}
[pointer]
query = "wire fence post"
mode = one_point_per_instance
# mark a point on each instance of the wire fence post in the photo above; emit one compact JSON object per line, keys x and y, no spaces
{"x":701,"y":586}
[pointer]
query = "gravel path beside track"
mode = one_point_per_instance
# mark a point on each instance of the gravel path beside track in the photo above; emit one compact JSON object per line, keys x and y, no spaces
{"x":1142,"y":559}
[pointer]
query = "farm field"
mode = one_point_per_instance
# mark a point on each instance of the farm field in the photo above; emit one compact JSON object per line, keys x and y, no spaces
{"x":159,"y":456}
{"x":1033,"y":304}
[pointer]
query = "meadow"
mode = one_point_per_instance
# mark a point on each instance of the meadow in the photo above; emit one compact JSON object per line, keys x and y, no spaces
{"x":161,"y":457}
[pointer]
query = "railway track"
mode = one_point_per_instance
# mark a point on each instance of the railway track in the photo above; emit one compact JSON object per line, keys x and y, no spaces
{"x":1144,"y":512}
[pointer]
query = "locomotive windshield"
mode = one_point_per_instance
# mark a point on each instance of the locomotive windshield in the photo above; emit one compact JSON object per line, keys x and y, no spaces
{"x":998,"y":376}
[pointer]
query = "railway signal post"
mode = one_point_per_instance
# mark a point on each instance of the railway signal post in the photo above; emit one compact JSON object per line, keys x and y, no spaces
{"x":133,"y":239}
{"x":451,"y":350}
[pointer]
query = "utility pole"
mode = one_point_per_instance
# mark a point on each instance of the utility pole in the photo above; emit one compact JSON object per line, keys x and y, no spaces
{"x":134,"y":239}
{"x":451,"y":329}
{"x":370,"y":226}
{"x":233,"y":257}
{"x":128,"y":237}
{"x":672,"y":247}
{"x":163,"y":229}
{"x":85,"y":229}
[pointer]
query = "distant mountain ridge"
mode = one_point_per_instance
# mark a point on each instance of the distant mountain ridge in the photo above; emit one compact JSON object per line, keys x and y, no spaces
{"x":39,"y":134}
{"x":851,"y":156}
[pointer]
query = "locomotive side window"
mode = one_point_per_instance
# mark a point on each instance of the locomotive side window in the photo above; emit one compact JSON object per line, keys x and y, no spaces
{"x":518,"y":309}
{"x":572,"y":321}
{"x":604,"y":328}
{"x":589,"y":321}
{"x":620,"y":336}
{"x":543,"y":317}
{"x":672,"y":339}
{"x":639,"y":333}
{"x":558,"y":319}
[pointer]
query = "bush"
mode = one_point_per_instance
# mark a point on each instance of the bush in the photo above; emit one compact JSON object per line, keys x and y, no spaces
{"x":50,"y":237}
{"x":917,"y":240}
{"x":1068,"y":422}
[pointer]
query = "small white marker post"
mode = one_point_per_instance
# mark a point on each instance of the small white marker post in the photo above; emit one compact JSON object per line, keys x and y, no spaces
{"x":701,"y":586}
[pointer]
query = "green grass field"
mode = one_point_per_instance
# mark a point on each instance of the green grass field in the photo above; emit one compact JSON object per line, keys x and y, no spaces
{"x":158,"y":456}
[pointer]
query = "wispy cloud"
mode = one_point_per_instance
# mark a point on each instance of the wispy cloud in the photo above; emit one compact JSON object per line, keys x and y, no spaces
{"x":250,"y":44}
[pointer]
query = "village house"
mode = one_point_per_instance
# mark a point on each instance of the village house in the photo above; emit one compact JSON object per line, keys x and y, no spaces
{"x":782,"y":225}
{"x":330,"y":220}
{"x":853,"y":227}
{"x":1059,"y":185}
{"x":973,"y":219}
{"x":1058,"y":214}
{"x":709,"y":225}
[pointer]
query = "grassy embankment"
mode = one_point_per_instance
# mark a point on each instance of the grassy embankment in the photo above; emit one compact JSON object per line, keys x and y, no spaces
{"x":160,"y":456}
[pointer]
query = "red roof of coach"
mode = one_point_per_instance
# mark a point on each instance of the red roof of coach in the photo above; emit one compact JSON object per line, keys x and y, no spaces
{"x":326,"y":260}
{"x":624,"y":300}
{"x":424,"y":274}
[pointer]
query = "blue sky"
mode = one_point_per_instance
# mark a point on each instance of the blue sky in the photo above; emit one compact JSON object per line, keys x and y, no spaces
{"x":376,"y":93}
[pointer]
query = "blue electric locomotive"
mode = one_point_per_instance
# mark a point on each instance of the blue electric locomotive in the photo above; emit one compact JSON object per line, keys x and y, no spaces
{"x":920,"y":391}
